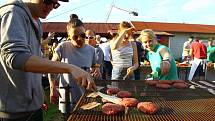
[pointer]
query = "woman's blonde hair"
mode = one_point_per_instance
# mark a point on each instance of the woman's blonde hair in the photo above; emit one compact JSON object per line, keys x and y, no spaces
{"x":150,"y":33}
{"x":123,"y":25}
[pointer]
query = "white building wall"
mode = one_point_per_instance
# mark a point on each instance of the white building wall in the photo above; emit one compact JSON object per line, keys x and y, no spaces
{"x":176,"y":42}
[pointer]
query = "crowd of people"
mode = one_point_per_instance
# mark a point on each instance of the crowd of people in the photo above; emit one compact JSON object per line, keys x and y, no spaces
{"x":78,"y":61}
{"x":195,"y":52}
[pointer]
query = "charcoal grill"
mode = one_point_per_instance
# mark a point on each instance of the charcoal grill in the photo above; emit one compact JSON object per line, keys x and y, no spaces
{"x":175,"y":105}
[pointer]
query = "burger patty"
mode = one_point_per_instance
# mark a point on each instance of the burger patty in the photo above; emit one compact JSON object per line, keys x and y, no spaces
{"x":124,"y":94}
{"x":112,"y":90}
{"x":111,"y":109}
{"x":129,"y":102}
{"x":147,"y":107}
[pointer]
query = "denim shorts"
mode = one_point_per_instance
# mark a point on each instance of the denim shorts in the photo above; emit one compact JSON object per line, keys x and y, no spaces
{"x":119,"y":72}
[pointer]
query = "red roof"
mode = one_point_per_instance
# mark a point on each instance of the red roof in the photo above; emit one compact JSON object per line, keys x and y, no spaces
{"x":174,"y":27}
{"x":156,"y":26}
{"x":61,"y":27}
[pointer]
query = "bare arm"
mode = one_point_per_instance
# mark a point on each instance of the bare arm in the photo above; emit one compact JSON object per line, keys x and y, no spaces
{"x":165,"y":54}
{"x":135,"y":57}
{"x":135,"y":65}
{"x":39,"y":65}
{"x":165,"y":64}
{"x":52,"y":76}
{"x":46,"y":41}
{"x":191,"y":54}
{"x":114,"y":43}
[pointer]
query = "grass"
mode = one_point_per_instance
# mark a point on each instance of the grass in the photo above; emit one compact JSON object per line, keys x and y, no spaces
{"x":52,"y":114}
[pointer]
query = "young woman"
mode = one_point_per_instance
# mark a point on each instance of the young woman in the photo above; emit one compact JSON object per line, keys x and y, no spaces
{"x":162,"y":62}
{"x":124,"y":53}
{"x":76,"y":52}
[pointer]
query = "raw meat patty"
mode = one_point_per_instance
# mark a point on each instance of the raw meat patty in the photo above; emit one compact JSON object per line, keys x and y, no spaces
{"x":163,"y":86}
{"x":147,"y":107}
{"x":151,"y":82}
{"x":129,"y":102}
{"x":112,"y":90}
{"x":111,"y":109}
{"x":124,"y":94}
{"x":180,"y":85}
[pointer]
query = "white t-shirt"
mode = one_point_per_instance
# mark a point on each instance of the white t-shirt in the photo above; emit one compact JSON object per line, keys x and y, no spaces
{"x":187,"y":45}
{"x":106,"y":50}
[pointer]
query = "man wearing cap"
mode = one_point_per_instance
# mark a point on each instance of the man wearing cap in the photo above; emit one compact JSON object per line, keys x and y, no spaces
{"x":21,"y":62}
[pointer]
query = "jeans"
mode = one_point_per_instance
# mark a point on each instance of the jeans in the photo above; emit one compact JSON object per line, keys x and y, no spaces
{"x":118,"y":73}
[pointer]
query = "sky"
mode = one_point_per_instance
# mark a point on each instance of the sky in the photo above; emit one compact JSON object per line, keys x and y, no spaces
{"x":168,"y":11}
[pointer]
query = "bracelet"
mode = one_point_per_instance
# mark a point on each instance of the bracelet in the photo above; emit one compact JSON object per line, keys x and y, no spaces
{"x":167,"y":60}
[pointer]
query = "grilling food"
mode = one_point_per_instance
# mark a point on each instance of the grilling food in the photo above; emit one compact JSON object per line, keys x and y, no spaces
{"x":147,"y":107}
{"x":111,"y":109}
{"x":163,"y":86}
{"x":129,"y":102}
{"x":165,"y":82}
{"x":90,"y":105}
{"x":124,"y":94}
{"x":112,"y":90}
{"x":180,"y":85}
{"x":105,"y":101}
{"x":93,"y":95}
{"x":151,"y":82}
{"x":179,"y":81}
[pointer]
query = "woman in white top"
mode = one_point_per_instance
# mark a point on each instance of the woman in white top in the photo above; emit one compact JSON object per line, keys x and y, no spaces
{"x":124,"y":53}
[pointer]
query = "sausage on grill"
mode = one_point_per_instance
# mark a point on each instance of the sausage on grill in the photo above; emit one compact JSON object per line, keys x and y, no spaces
{"x":147,"y":107}
{"x":124,"y":94}
{"x":111,"y":109}
{"x":129,"y":102}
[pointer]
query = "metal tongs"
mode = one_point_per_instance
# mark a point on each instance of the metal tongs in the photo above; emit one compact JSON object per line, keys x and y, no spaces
{"x":126,"y":76}
{"x":212,"y":91}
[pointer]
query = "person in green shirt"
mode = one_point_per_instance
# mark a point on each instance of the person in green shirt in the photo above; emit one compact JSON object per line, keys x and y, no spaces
{"x":210,"y":52}
{"x":162,"y":62}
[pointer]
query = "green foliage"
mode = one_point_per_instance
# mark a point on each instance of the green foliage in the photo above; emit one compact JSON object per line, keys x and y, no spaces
{"x":53,"y":112}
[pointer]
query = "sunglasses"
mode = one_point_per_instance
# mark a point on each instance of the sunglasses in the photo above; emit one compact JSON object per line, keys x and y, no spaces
{"x":92,"y":37}
{"x":49,"y":2}
{"x":75,"y":37}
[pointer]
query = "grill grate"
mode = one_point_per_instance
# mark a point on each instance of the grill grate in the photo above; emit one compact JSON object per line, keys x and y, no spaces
{"x":175,"y":105}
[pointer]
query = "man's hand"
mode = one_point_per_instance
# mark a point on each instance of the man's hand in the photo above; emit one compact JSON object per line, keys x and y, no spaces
{"x":165,"y":66}
{"x":83,"y":78}
{"x":95,"y":72}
